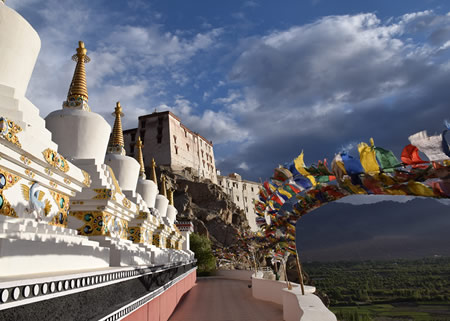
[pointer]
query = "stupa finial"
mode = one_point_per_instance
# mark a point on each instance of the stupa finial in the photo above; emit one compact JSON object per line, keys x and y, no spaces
{"x":154,"y":179}
{"x":116,"y":144}
{"x":140,"y":157}
{"x":171,"y":196}
{"x":77,"y":97}
{"x":163,"y":186}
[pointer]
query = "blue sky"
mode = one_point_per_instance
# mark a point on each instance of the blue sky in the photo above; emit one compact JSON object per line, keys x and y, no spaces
{"x":262,"y":79}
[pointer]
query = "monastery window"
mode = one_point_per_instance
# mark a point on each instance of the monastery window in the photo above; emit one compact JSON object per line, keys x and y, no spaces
{"x":252,"y":189}
{"x":133,"y":137}
{"x":174,"y":139}
{"x":176,"y":150}
{"x":237,"y":198}
{"x":187,"y":147}
{"x":244,"y":187}
{"x":202,"y":153}
{"x":246,"y":209}
{"x":185,"y":133}
{"x":159,"y":135}
{"x":245,"y":199}
{"x":203,"y":163}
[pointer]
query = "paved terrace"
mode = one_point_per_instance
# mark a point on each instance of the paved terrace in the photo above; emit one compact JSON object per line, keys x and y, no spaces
{"x":224,"y":300}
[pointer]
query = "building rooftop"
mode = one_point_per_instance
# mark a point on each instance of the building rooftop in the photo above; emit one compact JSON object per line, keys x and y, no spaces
{"x":156,"y":114}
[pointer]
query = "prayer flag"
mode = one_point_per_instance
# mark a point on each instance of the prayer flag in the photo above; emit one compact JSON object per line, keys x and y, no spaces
{"x":368,"y":158}
{"x":386,"y":159}
{"x":352,"y":165}
{"x":300,"y":166}
{"x":432,"y":146}
{"x":410,"y":156}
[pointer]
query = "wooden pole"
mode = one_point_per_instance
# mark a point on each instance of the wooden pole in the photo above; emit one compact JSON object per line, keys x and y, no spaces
{"x":285,"y":275}
{"x":300,"y":274}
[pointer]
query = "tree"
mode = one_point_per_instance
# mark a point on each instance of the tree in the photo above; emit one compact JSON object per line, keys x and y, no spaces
{"x":201,"y":246}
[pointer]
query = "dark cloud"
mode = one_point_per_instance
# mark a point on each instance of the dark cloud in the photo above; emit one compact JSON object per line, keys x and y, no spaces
{"x":340,"y":80}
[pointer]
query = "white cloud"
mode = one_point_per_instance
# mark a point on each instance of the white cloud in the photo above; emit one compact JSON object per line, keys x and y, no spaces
{"x":130,"y":61}
{"x":244,"y":166}
{"x":233,"y":95}
{"x":251,"y":4}
{"x":151,"y":46}
{"x":220,"y":127}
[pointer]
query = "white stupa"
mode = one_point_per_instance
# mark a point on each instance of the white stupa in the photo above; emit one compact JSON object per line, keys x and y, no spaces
{"x":171,"y":210}
{"x":147,"y":188}
{"x":79,"y":133}
{"x":125,"y":167}
{"x":161,"y":199}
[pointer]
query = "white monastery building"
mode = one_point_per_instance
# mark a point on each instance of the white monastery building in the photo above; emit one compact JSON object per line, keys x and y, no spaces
{"x":172,"y":144}
{"x":243,"y":193}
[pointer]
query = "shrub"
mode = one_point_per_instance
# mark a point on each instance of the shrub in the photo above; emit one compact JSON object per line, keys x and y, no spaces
{"x":201,"y":246}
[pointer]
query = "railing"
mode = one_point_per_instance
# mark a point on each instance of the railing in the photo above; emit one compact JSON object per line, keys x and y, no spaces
{"x":87,"y":289}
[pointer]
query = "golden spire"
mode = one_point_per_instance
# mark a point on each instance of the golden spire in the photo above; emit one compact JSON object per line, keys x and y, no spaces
{"x":77,"y":97}
{"x":163,"y":186}
{"x":154,"y":171}
{"x":140,"y":158}
{"x":116,"y":144}
{"x":171,"y":196}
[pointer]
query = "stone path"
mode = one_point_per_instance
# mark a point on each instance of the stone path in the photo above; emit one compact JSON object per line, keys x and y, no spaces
{"x":224,"y":300}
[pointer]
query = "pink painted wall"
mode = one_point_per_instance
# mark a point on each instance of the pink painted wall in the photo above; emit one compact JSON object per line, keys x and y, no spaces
{"x":162,"y":307}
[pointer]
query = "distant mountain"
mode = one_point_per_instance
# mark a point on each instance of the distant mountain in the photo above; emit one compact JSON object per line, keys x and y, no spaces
{"x":385,"y":230}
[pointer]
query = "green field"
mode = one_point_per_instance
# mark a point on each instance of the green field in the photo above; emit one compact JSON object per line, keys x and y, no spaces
{"x":385,"y":290}
{"x":385,"y":312}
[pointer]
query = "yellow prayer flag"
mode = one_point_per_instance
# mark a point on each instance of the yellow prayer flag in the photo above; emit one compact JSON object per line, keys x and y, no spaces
{"x":354,"y":188}
{"x":300,"y":166}
{"x":368,"y":158}
{"x":393,"y":191}
{"x":420,"y":189}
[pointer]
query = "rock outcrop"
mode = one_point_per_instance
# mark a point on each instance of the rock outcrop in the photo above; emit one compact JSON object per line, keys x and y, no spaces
{"x":211,"y":210}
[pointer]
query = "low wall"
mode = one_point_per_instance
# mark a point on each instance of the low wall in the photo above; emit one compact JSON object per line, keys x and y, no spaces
{"x":308,"y":307}
{"x":268,"y":290}
{"x":161,"y":307}
{"x":296,"y":307}
{"x":244,"y":275}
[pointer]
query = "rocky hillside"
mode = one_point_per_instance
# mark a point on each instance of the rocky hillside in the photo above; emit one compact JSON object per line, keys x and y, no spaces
{"x":211,"y":210}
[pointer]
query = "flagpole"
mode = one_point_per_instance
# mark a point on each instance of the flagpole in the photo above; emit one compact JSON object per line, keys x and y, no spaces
{"x":300,"y":274}
{"x":285,"y":275}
